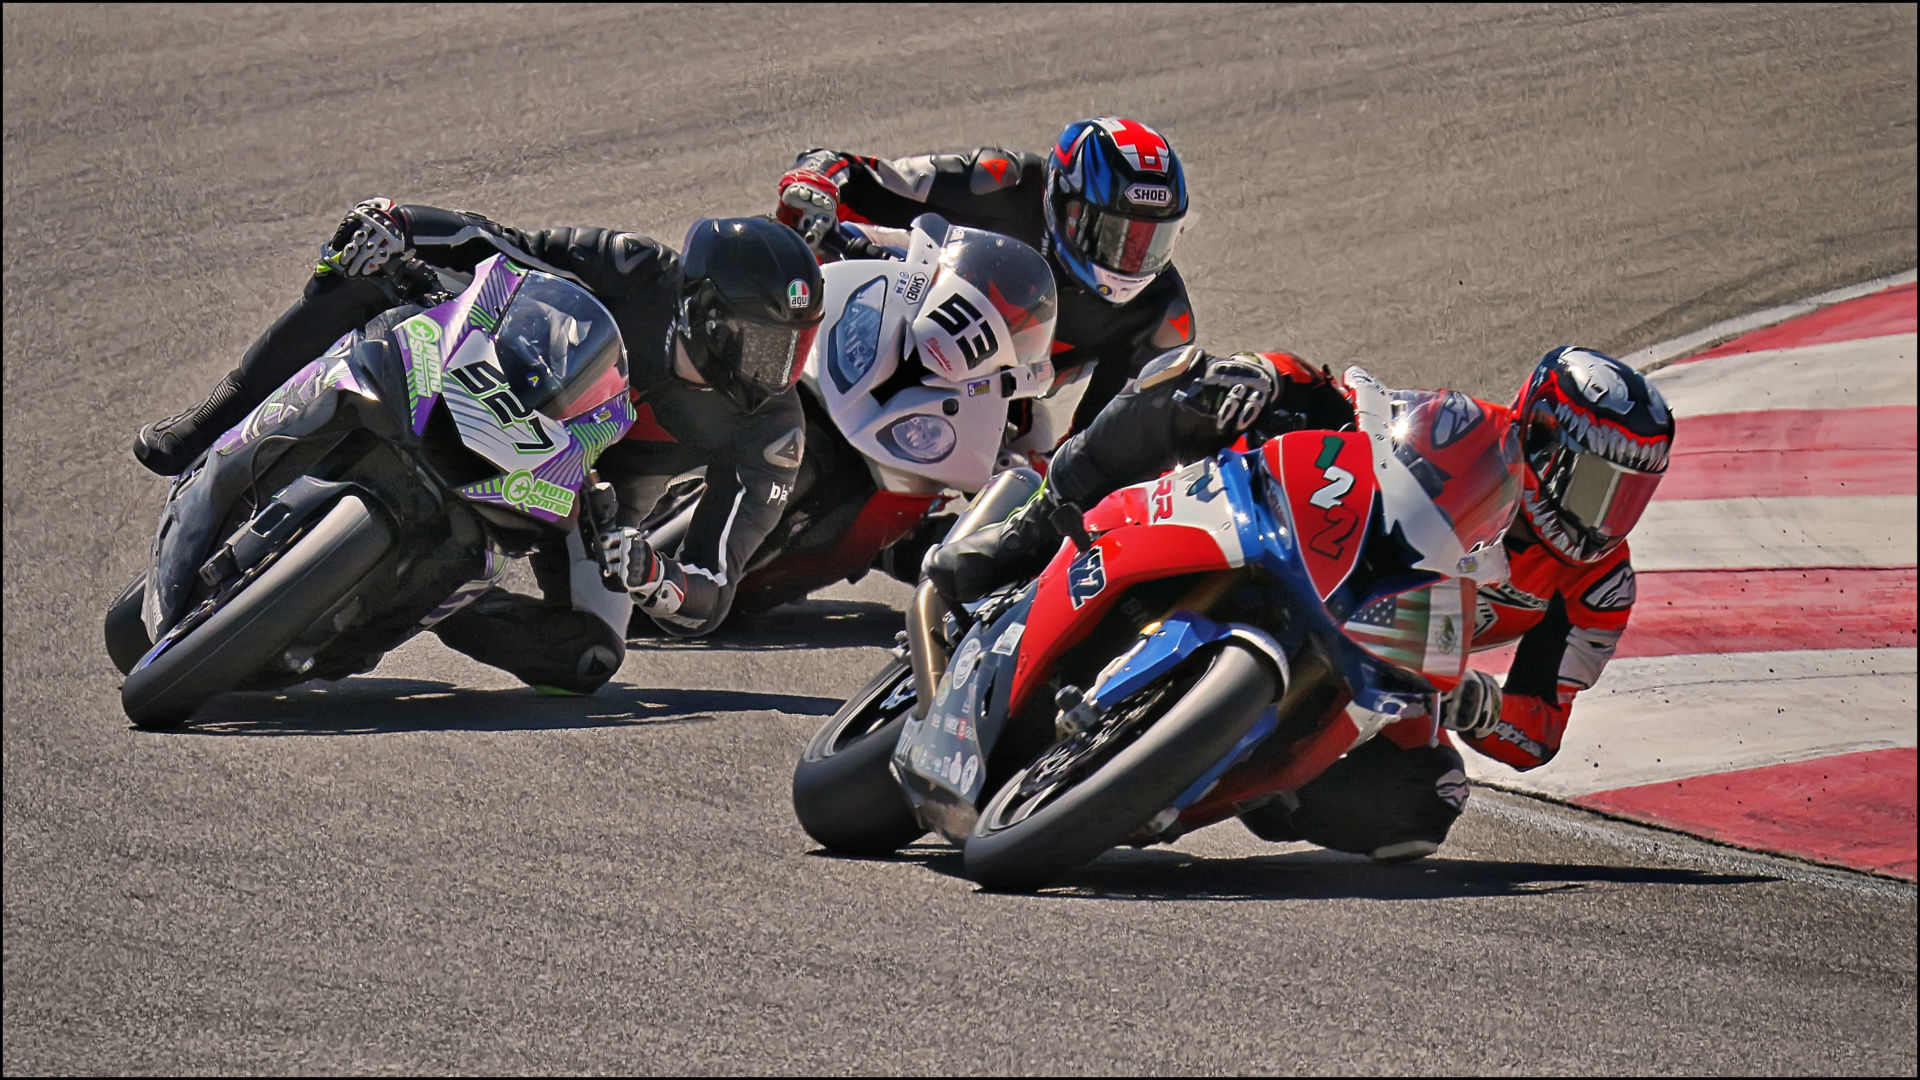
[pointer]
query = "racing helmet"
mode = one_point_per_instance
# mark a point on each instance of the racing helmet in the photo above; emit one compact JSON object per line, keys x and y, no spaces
{"x":1116,"y":202}
{"x":750,"y":302}
{"x":1595,"y":435}
{"x":991,"y":305}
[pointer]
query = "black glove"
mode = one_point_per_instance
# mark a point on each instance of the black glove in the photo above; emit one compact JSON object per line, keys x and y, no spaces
{"x":372,"y":234}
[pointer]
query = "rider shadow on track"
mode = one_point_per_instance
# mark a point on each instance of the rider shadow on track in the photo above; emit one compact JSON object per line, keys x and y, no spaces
{"x":377,"y":706}
{"x":1316,"y":874}
{"x":810,"y":624}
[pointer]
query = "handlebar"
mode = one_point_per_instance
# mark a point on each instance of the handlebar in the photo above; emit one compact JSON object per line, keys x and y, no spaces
{"x":846,"y":242}
{"x":415,"y":280}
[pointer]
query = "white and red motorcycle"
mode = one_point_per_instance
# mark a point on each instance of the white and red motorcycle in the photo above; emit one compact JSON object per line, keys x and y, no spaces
{"x":909,"y":394}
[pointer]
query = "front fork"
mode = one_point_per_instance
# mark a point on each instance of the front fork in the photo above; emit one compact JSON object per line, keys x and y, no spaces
{"x":927,"y":614}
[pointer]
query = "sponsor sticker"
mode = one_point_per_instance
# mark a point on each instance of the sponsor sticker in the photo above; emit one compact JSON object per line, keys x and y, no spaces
{"x":963,"y":664}
{"x":527,"y":493}
{"x":979,"y":387}
{"x":916,"y":285}
{"x":1010,"y":639}
{"x":798,"y":295}
{"x":1086,"y":578}
{"x":1149,"y":195}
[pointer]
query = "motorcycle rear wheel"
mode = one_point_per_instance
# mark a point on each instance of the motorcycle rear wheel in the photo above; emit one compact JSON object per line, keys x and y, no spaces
{"x":843,"y":791}
{"x":1015,"y":847}
{"x":303,"y":584}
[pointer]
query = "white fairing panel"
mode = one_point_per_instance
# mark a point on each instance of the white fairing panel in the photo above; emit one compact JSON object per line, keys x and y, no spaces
{"x":1406,"y":504}
{"x":525,"y":443}
{"x":934,"y":433}
{"x":1194,"y":496}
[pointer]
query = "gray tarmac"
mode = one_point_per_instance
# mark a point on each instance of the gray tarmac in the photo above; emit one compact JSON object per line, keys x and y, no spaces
{"x":429,"y":869}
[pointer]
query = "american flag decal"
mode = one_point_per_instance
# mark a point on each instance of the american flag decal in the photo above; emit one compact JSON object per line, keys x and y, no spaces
{"x":1394,"y":628}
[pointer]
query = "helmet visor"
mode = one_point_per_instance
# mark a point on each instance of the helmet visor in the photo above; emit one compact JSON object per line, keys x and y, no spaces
{"x":771,"y":356}
{"x":1122,"y":244}
{"x":1595,"y":495}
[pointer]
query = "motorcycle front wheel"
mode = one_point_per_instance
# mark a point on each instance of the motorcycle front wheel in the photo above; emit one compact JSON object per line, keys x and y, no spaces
{"x":1092,"y":791}
{"x":843,"y":791}
{"x":304,"y":583}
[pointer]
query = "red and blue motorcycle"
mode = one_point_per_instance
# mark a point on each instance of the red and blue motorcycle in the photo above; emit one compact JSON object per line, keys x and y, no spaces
{"x":1217,"y":639}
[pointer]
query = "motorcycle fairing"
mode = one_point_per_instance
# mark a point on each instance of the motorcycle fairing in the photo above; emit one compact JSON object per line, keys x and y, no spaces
{"x":1329,"y":487}
{"x":329,"y":372}
{"x":271,"y":527}
{"x":547,"y":491}
{"x":1188,"y":527}
{"x":196,"y":505}
{"x":941,"y":759}
{"x":544,"y":461}
{"x":973,"y":411}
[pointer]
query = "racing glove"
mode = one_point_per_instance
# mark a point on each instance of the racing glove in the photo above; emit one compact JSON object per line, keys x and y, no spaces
{"x":1473,"y":707}
{"x":373,"y":233}
{"x":809,"y":205}
{"x":629,"y":558}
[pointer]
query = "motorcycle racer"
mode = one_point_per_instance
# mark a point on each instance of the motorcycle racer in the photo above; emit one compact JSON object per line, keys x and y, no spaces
{"x":1594,"y":435}
{"x":715,"y":335}
{"x":1105,"y":206}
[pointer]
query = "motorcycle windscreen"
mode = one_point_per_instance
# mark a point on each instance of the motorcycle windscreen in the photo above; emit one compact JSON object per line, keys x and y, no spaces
{"x":1449,"y":475}
{"x":559,"y":349}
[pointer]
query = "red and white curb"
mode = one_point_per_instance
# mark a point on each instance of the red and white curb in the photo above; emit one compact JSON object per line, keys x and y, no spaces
{"x":1764,"y":692}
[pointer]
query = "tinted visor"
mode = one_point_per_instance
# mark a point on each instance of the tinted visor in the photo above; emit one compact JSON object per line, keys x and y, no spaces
{"x":1595,"y":495}
{"x":1119,"y":243}
{"x":770,"y":356}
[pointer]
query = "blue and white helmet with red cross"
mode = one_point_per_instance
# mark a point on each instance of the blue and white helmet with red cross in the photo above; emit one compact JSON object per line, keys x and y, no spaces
{"x":1116,"y":202}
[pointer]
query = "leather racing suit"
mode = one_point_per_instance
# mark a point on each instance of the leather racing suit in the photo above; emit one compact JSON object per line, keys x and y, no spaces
{"x":1004,"y":191}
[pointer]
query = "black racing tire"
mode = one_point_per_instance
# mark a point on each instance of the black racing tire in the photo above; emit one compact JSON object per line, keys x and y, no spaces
{"x":321,"y":568}
{"x":125,"y":630}
{"x":1110,"y":803}
{"x":844,"y":792}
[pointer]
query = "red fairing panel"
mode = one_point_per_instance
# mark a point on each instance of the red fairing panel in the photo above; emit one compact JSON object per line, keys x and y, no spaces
{"x":887,"y":517}
{"x":1329,"y":483}
{"x":1076,"y":589}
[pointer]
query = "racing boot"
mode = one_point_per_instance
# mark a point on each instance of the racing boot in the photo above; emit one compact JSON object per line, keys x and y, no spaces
{"x":168,"y":446}
{"x":1017,"y":548}
{"x":1381,"y":800}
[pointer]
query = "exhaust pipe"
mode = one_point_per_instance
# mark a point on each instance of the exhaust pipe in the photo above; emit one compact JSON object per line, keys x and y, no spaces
{"x":927,"y":614}
{"x":926,"y":645}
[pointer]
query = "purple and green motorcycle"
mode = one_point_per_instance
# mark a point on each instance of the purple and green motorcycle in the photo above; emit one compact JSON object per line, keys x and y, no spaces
{"x":379,"y":490}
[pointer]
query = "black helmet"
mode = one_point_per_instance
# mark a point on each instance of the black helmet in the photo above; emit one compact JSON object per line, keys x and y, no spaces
{"x":751,"y":298}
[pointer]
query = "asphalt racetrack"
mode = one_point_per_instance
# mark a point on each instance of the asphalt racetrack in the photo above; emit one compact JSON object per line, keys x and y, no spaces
{"x":429,"y":869}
